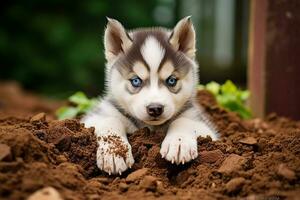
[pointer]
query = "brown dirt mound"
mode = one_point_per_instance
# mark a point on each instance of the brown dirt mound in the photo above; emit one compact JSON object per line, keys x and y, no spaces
{"x":16,"y":102}
{"x":254,"y":159}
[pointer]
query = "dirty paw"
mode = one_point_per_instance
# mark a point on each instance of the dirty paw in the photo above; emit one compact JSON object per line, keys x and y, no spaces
{"x":179,"y":149}
{"x":114,"y":154}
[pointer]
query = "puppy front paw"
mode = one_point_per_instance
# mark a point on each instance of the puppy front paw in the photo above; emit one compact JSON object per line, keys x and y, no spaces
{"x":179,"y":148}
{"x":114,"y":154}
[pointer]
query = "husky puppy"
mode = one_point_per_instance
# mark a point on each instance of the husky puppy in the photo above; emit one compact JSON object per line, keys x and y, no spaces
{"x":151,"y":80}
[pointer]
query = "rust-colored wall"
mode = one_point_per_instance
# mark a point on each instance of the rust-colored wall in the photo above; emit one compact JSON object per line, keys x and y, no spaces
{"x":283,"y":58}
{"x":274,"y":57}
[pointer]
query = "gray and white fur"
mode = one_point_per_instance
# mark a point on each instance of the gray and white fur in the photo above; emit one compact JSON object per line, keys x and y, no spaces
{"x":151,"y":81}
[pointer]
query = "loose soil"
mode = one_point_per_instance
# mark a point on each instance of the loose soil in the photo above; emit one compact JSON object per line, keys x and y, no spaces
{"x":43,"y":158}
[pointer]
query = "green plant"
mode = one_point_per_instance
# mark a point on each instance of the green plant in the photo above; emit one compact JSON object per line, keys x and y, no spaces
{"x":81,"y":105}
{"x":230,"y":97}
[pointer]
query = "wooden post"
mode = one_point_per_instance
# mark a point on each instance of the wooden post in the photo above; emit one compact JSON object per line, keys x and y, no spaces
{"x":274,"y":57}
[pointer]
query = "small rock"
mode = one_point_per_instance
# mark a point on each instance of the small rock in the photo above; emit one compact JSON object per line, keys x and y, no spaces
{"x":182,"y":177}
{"x":94,"y":184}
{"x":103,"y":180}
{"x":40,"y":134}
{"x":39,"y":117}
{"x":256,"y":123}
{"x":286,"y":172}
{"x":249,"y":141}
{"x":47,"y":193}
{"x":149,"y":183}
{"x":234,"y":184}
{"x":71,"y":167}
{"x":213,"y":185}
{"x":138,"y":174}
{"x":61,"y":159}
{"x":5,"y":153}
{"x":252,"y":197}
{"x":160,"y":188}
{"x":232,"y":163}
{"x":211,"y":156}
{"x":116,"y":180}
{"x":63,"y":143}
{"x":93,"y":196}
{"x":123,"y":187}
{"x":229,"y":149}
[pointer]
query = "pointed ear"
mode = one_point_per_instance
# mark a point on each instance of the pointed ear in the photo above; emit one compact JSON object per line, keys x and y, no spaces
{"x":183,"y":37}
{"x":116,"y":39}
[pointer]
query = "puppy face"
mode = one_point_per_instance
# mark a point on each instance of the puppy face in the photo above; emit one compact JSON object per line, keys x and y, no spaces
{"x":151,"y":73}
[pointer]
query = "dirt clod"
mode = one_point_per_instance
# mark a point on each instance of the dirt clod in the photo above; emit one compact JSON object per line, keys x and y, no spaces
{"x":211,"y":156}
{"x":136,"y":175}
{"x":248,"y":140}
{"x":232,"y":163}
{"x":286,"y":172}
{"x":149,"y":183}
{"x":234,"y":184}
{"x":5,"y":153}
{"x":123,"y":187}
{"x":48,"y":193}
{"x":39,"y":117}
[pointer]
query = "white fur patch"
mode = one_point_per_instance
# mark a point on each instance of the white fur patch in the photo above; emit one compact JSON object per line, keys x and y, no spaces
{"x":152,"y":52}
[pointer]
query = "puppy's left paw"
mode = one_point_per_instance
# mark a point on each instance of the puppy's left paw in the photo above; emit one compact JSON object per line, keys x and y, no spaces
{"x":179,"y":148}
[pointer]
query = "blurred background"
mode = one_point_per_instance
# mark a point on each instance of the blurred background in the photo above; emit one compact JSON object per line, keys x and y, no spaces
{"x":55,"y":48}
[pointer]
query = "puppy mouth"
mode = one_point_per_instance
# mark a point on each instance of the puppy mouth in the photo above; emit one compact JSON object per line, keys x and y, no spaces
{"x":155,"y":121}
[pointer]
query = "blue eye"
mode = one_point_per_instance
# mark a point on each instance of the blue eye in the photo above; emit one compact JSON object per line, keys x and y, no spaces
{"x":171,"y":81}
{"x":136,"y":81}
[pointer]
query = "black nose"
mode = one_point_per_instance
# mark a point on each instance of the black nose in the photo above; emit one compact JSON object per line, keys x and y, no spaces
{"x":155,"y":109}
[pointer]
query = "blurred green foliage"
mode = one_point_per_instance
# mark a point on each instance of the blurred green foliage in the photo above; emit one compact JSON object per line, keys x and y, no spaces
{"x":55,"y":47}
{"x":80,"y":105}
{"x":230,"y":97}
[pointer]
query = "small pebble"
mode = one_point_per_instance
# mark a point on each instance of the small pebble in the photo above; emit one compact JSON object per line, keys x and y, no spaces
{"x":39,"y":117}
{"x":103,"y":180}
{"x":249,"y":141}
{"x":149,"y":183}
{"x":47,"y":193}
{"x":160,"y":188}
{"x":211,"y":156}
{"x":232,"y":163}
{"x":234,"y":184}
{"x":285,"y":172}
{"x":63,"y":143}
{"x":138,"y":174}
{"x":5,"y":153}
{"x":61,"y":159}
{"x":123,"y":187}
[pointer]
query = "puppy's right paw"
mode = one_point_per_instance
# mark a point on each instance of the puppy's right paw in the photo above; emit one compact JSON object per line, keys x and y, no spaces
{"x":114,"y":154}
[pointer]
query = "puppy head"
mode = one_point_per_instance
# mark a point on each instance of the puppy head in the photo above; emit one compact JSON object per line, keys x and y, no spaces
{"x":151,"y":73}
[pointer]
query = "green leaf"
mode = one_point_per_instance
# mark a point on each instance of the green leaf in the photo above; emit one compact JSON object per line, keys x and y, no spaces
{"x":244,"y":95}
{"x":81,"y":106}
{"x":66,"y":112}
{"x":228,"y":87}
{"x":213,"y":87}
{"x":79,"y":98}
